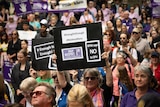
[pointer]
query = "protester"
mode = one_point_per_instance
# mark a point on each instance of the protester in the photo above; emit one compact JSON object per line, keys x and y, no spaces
{"x":20,"y":71}
{"x":79,"y":96}
{"x":13,"y":47}
{"x":143,"y":77}
{"x":43,"y":95}
{"x":27,"y":86}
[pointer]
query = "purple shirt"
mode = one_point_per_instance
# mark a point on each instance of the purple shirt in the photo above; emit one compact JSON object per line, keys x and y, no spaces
{"x":129,"y":99}
{"x":106,"y":13}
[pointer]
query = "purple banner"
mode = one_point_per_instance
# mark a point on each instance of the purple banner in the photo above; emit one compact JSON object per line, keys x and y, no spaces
{"x":7,"y":66}
{"x":22,"y":7}
{"x":155,"y":8}
{"x":40,"y":6}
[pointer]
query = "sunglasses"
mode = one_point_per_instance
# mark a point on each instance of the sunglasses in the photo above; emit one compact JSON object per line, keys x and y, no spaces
{"x":37,"y":93}
{"x":134,"y":32}
{"x":108,"y":34}
{"x":54,"y":76}
{"x":91,"y":78}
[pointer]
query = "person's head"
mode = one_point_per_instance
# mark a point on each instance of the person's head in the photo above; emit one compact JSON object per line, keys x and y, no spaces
{"x":109,"y":34}
{"x":25,"y":25}
{"x":126,"y":15}
{"x":4,"y":37}
{"x":73,"y":20}
{"x":66,"y":75}
{"x":44,"y":25}
{"x":91,"y":4}
{"x":155,"y":24}
{"x":132,"y":9}
{"x":44,"y":74}
{"x":100,"y":15}
{"x":143,"y":76}
{"x":43,"y":95}
{"x":155,"y":56}
{"x":132,"y":43}
{"x":140,"y":27}
{"x":110,"y":25}
{"x":124,"y":28}
{"x":22,"y":56}
{"x":118,"y":22}
{"x":134,"y":21}
{"x":154,"y":33}
{"x":136,"y":34}
{"x":24,"y":44}
{"x":27,"y":86}
{"x":31,"y":17}
{"x":121,"y":57}
{"x":79,"y":96}
{"x":103,"y":5}
{"x":54,"y":19}
{"x":149,"y":100}
{"x":92,"y":79}
{"x":149,"y":20}
{"x":15,"y":34}
{"x":86,"y":12}
{"x":124,"y":39}
{"x":147,"y":54}
{"x":11,"y":19}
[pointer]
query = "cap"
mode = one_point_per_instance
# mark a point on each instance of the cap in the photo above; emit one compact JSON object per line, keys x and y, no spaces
{"x":44,"y":22}
{"x":135,"y":30}
{"x":155,"y":54}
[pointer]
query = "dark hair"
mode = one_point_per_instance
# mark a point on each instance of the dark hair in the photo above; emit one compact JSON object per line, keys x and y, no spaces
{"x":124,"y":78}
{"x":25,"y":41}
{"x":5,"y":40}
{"x":113,"y":37}
{"x":102,"y":16}
{"x":24,"y":52}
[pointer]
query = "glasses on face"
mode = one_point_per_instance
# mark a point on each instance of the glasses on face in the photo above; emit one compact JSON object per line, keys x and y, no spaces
{"x":91,"y":78}
{"x":54,"y":76}
{"x":134,"y":32}
{"x":108,"y":34}
{"x":37,"y":93}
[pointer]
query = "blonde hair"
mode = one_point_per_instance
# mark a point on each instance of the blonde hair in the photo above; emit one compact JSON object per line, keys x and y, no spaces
{"x":80,"y":94}
{"x":133,"y":41}
{"x":28,"y":84}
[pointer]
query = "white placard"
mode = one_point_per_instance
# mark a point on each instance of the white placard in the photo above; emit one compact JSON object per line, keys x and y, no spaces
{"x":74,"y":35}
{"x":27,"y":35}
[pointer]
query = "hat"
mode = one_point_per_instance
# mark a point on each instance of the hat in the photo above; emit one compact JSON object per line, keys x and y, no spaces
{"x":135,"y":30}
{"x":155,"y":54}
{"x":44,"y":22}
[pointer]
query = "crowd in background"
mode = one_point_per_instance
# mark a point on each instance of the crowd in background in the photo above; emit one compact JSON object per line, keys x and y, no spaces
{"x":131,"y":41}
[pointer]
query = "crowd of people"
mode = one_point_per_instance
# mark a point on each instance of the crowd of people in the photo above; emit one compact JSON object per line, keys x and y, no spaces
{"x":130,"y":78}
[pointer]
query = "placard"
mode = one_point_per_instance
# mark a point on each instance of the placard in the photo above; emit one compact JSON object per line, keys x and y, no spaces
{"x":79,"y":46}
{"x":42,"y":51}
{"x":27,"y":35}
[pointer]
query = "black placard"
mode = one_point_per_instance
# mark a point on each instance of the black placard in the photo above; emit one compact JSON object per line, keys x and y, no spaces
{"x":79,"y":46}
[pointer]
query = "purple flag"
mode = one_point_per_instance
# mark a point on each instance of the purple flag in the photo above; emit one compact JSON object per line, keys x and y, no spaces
{"x":40,"y":6}
{"x":155,"y":8}
{"x":22,"y":7}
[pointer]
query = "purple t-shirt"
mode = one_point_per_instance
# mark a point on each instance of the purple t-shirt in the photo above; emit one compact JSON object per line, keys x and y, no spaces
{"x":129,"y":99}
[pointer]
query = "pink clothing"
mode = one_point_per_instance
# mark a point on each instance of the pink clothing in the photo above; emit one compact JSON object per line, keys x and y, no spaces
{"x":133,"y":15}
{"x":66,"y":20}
{"x":10,"y":27}
{"x":106,"y":13}
{"x":85,"y":18}
{"x":116,"y":91}
{"x":93,"y":11}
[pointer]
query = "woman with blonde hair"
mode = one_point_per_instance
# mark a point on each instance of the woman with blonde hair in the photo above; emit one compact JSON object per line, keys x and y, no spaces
{"x":44,"y":76}
{"x":79,"y":96}
{"x":27,"y":86}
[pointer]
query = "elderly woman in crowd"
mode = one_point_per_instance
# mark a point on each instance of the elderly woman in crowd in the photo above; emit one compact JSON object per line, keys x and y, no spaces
{"x":100,"y":89}
{"x":27,"y":86}
{"x":143,"y":77}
